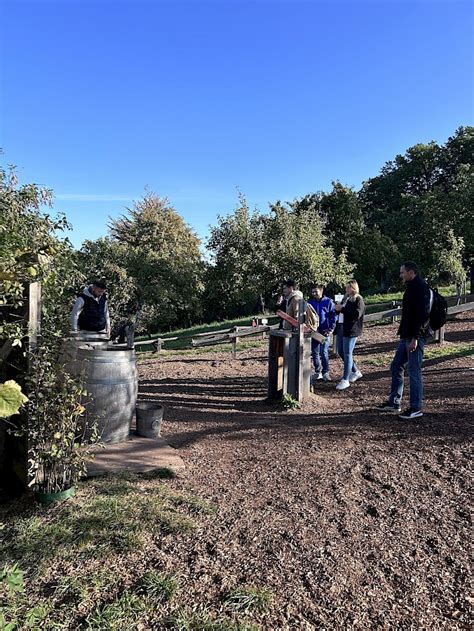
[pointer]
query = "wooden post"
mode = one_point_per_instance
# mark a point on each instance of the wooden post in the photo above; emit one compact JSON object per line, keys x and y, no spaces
{"x":34,"y":315}
{"x":393,"y":318}
{"x":234,"y":343}
{"x":440,"y":337}
{"x":300,"y":355}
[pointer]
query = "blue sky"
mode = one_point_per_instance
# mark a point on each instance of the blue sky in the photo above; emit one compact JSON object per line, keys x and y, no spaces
{"x":100,"y":99}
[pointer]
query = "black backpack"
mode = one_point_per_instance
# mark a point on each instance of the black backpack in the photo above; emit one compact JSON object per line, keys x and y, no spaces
{"x":438,"y":311}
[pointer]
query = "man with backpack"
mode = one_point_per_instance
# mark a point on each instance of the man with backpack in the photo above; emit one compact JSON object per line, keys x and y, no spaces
{"x":413,"y":330}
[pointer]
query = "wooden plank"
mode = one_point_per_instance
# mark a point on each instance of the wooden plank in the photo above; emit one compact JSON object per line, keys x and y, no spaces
{"x":255,"y":330}
{"x":460,"y":308}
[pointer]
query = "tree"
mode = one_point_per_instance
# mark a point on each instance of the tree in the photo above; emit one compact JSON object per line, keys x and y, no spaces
{"x":422,"y":200}
{"x":158,"y":258}
{"x":252,"y":253}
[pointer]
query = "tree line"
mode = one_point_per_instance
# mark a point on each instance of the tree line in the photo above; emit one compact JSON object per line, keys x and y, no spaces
{"x":418,"y":207}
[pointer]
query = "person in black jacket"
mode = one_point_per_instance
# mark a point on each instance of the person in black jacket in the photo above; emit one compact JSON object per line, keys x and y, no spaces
{"x":413,"y":331}
{"x":90,"y":311}
{"x":350,"y":325}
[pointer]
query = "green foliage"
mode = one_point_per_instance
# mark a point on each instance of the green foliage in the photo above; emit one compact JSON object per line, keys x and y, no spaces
{"x":159,"y":587}
{"x":289,"y":402}
{"x":11,"y":398}
{"x":29,"y":251}
{"x":152,"y":262}
{"x":246,"y":599}
{"x":54,"y":423}
{"x":12,"y":577}
{"x":422,"y":202}
{"x":253,"y":253}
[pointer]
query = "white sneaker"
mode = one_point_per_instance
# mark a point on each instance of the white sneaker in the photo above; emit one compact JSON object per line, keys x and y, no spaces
{"x":326,"y":376}
{"x":343,"y":384}
{"x":318,"y":376}
{"x":354,"y":376}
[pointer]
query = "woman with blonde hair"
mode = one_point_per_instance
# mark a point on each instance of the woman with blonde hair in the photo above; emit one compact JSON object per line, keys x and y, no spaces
{"x":351,"y":321}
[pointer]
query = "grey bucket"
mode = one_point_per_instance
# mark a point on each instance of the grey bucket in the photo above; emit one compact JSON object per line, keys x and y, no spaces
{"x":149,"y":419}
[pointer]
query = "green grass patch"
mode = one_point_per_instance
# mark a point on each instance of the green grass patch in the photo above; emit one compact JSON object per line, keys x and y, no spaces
{"x":448,"y":350}
{"x":60,"y":563}
{"x":288,"y":402}
{"x":246,"y":599}
{"x":125,"y":612}
{"x":159,"y":587}
{"x":202,"y":620}
{"x":379,"y":299}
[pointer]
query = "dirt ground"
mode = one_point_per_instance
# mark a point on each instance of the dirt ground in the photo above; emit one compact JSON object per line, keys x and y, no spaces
{"x":352,"y":519}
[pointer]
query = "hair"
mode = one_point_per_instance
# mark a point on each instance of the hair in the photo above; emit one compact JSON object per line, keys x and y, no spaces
{"x":317,"y":286}
{"x":410,"y":266}
{"x":355,"y":286}
{"x":289,"y":282}
{"x":100,"y":284}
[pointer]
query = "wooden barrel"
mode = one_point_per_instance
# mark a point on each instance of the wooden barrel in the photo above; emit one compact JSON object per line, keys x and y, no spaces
{"x":72,"y":343}
{"x":111,"y":382}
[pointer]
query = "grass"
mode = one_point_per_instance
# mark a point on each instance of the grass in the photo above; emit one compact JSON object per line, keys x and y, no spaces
{"x":75,"y":565}
{"x":379,"y":299}
{"x":202,"y":620}
{"x":432,"y":351}
{"x":289,"y":402}
{"x":246,"y":599}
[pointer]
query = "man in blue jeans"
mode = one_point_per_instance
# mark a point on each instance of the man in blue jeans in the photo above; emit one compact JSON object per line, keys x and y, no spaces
{"x":324,"y":307}
{"x":413,"y":331}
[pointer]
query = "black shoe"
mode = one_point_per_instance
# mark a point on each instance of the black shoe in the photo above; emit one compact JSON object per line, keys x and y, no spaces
{"x":389,"y":407}
{"x":410,"y":414}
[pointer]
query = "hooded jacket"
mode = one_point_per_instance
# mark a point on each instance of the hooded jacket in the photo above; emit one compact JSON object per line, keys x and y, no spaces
{"x":291,"y":305}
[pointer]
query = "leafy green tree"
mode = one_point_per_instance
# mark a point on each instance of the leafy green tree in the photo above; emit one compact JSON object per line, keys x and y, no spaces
{"x":252,"y":253}
{"x":160,"y":254}
{"x":422,"y":202}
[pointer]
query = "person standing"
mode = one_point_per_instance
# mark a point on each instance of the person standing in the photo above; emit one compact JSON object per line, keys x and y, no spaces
{"x":90,"y":311}
{"x":413,"y":331}
{"x":324,"y":307}
{"x":352,"y":310}
{"x":291,"y":300}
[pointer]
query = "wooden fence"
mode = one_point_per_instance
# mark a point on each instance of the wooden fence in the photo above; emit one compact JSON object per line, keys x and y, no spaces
{"x":233,"y":335}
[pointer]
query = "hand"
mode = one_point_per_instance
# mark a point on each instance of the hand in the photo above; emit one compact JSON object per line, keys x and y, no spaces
{"x":413,"y":346}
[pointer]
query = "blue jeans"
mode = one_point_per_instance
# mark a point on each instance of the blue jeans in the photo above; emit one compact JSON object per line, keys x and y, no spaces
{"x":397,"y":368}
{"x":320,"y":355}
{"x":345,"y":348}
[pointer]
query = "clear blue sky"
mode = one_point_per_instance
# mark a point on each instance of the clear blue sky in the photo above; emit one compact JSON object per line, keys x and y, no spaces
{"x":100,"y":99}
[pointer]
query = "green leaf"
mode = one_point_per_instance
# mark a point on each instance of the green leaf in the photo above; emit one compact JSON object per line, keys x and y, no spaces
{"x":11,"y":399}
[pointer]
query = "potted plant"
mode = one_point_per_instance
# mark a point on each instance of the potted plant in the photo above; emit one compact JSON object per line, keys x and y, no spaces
{"x":55,"y":429}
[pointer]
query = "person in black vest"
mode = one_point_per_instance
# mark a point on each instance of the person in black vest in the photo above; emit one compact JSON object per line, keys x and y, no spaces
{"x":90,"y":311}
{"x":413,"y":331}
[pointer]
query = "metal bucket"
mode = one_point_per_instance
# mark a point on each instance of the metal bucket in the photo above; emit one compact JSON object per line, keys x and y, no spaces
{"x":149,"y":419}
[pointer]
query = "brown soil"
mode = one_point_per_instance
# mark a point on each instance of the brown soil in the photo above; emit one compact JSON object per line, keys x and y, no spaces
{"x":351,"y":518}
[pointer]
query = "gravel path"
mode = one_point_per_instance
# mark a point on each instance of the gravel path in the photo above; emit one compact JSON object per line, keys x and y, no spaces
{"x":350,"y":518}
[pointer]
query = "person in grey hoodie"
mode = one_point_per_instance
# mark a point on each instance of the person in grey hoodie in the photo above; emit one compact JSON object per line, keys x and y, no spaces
{"x":91,"y":311}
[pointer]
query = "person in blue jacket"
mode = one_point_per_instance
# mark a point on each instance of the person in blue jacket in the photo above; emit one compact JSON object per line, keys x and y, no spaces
{"x":324,"y":307}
